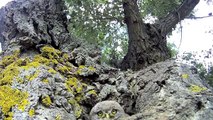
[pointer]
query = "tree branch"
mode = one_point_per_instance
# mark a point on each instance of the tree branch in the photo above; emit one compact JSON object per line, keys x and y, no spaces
{"x":199,"y":17}
{"x":167,"y":23}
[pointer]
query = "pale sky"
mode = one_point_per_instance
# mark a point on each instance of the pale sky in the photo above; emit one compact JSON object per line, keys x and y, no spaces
{"x":4,"y":2}
{"x":194,"y":33}
{"x":195,"y":36}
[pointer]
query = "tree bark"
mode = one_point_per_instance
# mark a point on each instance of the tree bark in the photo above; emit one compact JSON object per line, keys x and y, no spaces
{"x":147,"y":42}
{"x":146,"y":45}
{"x":31,"y":26}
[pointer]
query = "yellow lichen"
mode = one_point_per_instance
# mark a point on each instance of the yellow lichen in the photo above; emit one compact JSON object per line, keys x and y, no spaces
{"x":22,"y":62}
{"x":23,"y":104}
{"x":79,"y":97}
{"x":6,"y":60}
{"x":50,"y":52}
{"x":63,"y":69}
{"x":185,"y":76}
{"x":65,"y":57}
{"x":73,"y":85}
{"x":77,"y":108}
{"x":12,"y":97}
{"x":195,"y":88}
{"x":8,"y":74}
{"x":82,"y":68}
{"x":20,"y":80}
{"x":46,"y":100}
{"x":33,"y":76}
{"x":58,"y":117}
{"x":31,"y":112}
{"x":41,"y":59}
{"x":51,"y":70}
{"x":49,"y":56}
{"x":31,"y":65}
{"x":9,"y":116}
{"x":91,"y":68}
{"x":92,"y":92}
{"x":45,"y":81}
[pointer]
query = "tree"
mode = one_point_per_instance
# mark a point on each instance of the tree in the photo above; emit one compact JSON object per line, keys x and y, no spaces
{"x":147,"y":42}
{"x":46,"y":73}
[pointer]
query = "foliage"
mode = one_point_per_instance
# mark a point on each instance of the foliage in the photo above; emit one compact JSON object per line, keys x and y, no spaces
{"x":172,"y":49}
{"x":158,"y":8}
{"x":209,"y":76}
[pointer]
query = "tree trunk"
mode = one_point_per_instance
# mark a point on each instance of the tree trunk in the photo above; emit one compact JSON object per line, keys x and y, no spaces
{"x":146,"y":45}
{"x":147,"y":42}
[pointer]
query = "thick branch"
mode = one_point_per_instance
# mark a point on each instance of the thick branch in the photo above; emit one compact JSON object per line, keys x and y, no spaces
{"x":199,"y":17}
{"x":167,"y":23}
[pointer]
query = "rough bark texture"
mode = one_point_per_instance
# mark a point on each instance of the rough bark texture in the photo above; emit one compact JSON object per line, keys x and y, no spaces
{"x":30,"y":26}
{"x":147,"y":42}
{"x":47,"y":83}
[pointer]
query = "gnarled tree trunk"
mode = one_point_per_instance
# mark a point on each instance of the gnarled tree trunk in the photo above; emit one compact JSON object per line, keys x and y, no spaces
{"x":147,"y":42}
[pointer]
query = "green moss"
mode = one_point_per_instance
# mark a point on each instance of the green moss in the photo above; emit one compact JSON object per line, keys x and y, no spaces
{"x":77,"y":108}
{"x":12,"y":97}
{"x":195,"y":88}
{"x":46,"y":101}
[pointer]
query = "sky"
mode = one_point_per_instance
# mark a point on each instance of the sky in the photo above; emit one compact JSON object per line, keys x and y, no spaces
{"x":195,"y":36}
